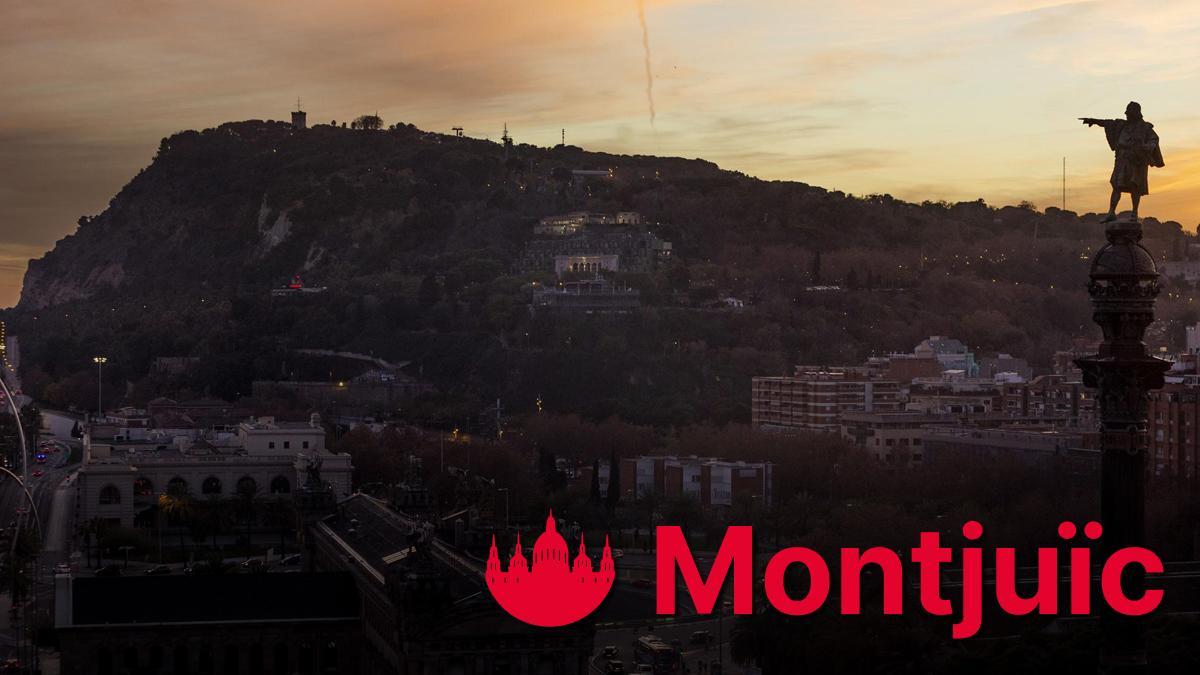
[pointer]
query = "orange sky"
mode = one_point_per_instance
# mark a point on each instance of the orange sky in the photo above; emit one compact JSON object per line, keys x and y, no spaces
{"x":924,"y":100}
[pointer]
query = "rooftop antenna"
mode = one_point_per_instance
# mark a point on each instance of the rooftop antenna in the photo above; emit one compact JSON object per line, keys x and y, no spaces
{"x":1064,"y":184}
{"x":564,"y":138}
{"x":298,"y":108}
{"x":507,"y":141}
{"x":458,"y":131}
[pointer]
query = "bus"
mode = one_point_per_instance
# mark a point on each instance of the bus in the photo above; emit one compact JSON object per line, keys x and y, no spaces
{"x":659,"y":655}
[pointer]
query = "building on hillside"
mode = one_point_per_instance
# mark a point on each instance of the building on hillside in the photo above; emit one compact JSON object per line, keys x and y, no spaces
{"x":1174,"y":424}
{"x":904,"y":368}
{"x":120,"y":480}
{"x":296,"y":287}
{"x":424,"y":607}
{"x":575,"y":222}
{"x":950,"y":353}
{"x":1064,"y":359}
{"x":592,"y":296}
{"x":893,"y":437}
{"x":1050,"y":396}
{"x":1028,"y":444}
{"x":815,"y":397}
{"x":710,"y":481}
{"x":585,"y":264}
{"x":1192,"y":334}
{"x":1186,"y":270}
{"x":1000,"y":364}
{"x":229,"y":623}
{"x":590,"y":242}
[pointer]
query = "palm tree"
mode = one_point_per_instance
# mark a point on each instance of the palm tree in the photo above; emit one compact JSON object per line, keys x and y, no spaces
{"x":246,"y":505}
{"x":177,"y":506}
{"x":90,"y":530}
{"x":281,"y":515}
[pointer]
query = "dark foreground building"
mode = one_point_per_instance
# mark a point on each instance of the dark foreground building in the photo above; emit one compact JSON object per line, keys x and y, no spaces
{"x":227,"y":624}
{"x":426,"y":610}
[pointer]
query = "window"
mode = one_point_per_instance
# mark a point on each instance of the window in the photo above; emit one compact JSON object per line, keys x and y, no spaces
{"x":287,"y":445}
{"x":247,"y":486}
{"x":109,"y":494}
{"x":177,"y":486}
{"x":211,"y":486}
{"x":304,"y":445}
{"x":271,"y":445}
{"x":280,"y":486}
{"x":142,"y":487}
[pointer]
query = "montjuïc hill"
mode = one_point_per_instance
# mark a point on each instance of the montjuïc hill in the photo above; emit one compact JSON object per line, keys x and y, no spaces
{"x":418,"y":240}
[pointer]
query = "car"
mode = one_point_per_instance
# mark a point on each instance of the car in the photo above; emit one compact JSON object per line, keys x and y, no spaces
{"x":614,"y":667}
{"x":39,"y":473}
{"x":644,"y":668}
{"x":618,"y":553}
{"x":109,"y":571}
{"x":199,"y":567}
{"x":158,"y":570}
{"x":643,"y":583}
{"x":609,"y":652}
{"x":255,"y":565}
{"x":10,"y":665}
{"x":292,"y":559}
{"x":701,"y":637}
{"x":22,"y":510}
{"x":677,"y":643}
{"x":62,"y":568}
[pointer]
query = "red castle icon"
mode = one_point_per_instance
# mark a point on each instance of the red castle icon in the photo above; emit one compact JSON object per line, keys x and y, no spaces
{"x":555,"y":592}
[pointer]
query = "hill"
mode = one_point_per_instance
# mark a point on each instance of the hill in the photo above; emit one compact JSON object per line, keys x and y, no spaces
{"x":416,"y":237}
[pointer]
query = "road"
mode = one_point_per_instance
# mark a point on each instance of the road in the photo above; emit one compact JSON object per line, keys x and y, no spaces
{"x":622,"y":637}
{"x":53,"y":495}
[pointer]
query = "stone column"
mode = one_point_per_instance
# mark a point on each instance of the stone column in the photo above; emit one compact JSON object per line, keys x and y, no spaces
{"x":1123,"y":285}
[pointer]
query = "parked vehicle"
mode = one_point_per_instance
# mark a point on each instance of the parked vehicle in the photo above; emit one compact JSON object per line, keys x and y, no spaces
{"x":109,"y":571}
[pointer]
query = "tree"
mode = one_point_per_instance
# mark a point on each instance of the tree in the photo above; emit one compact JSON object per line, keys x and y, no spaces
{"x":614,"y":481}
{"x":369,"y":122}
{"x":595,"y":493}
{"x":177,"y":505}
{"x":281,"y":515}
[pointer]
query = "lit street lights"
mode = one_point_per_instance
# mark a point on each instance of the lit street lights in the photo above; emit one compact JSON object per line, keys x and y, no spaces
{"x":99,"y":361}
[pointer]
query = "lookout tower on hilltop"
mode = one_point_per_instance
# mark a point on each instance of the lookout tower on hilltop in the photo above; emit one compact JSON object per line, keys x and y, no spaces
{"x":299,"y":117}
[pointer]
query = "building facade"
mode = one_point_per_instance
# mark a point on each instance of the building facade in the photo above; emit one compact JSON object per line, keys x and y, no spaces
{"x":710,"y":481}
{"x":120,"y":479}
{"x":815,"y":398}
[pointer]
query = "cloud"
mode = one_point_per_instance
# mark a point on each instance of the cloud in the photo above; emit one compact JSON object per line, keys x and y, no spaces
{"x":930,"y":99}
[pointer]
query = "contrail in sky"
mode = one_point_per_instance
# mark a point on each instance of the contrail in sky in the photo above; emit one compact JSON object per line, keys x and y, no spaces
{"x":641,"y":7}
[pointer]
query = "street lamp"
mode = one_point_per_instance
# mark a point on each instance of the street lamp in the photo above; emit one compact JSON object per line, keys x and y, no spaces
{"x":99,"y":361}
{"x":505,"y":491}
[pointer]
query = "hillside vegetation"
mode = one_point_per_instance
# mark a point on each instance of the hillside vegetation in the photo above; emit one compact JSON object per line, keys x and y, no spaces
{"x":415,"y":236}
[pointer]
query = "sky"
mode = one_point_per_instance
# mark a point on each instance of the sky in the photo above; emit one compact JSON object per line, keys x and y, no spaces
{"x":925,"y":99}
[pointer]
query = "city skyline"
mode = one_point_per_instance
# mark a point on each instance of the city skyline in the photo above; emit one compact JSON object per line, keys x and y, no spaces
{"x":936,"y":101}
